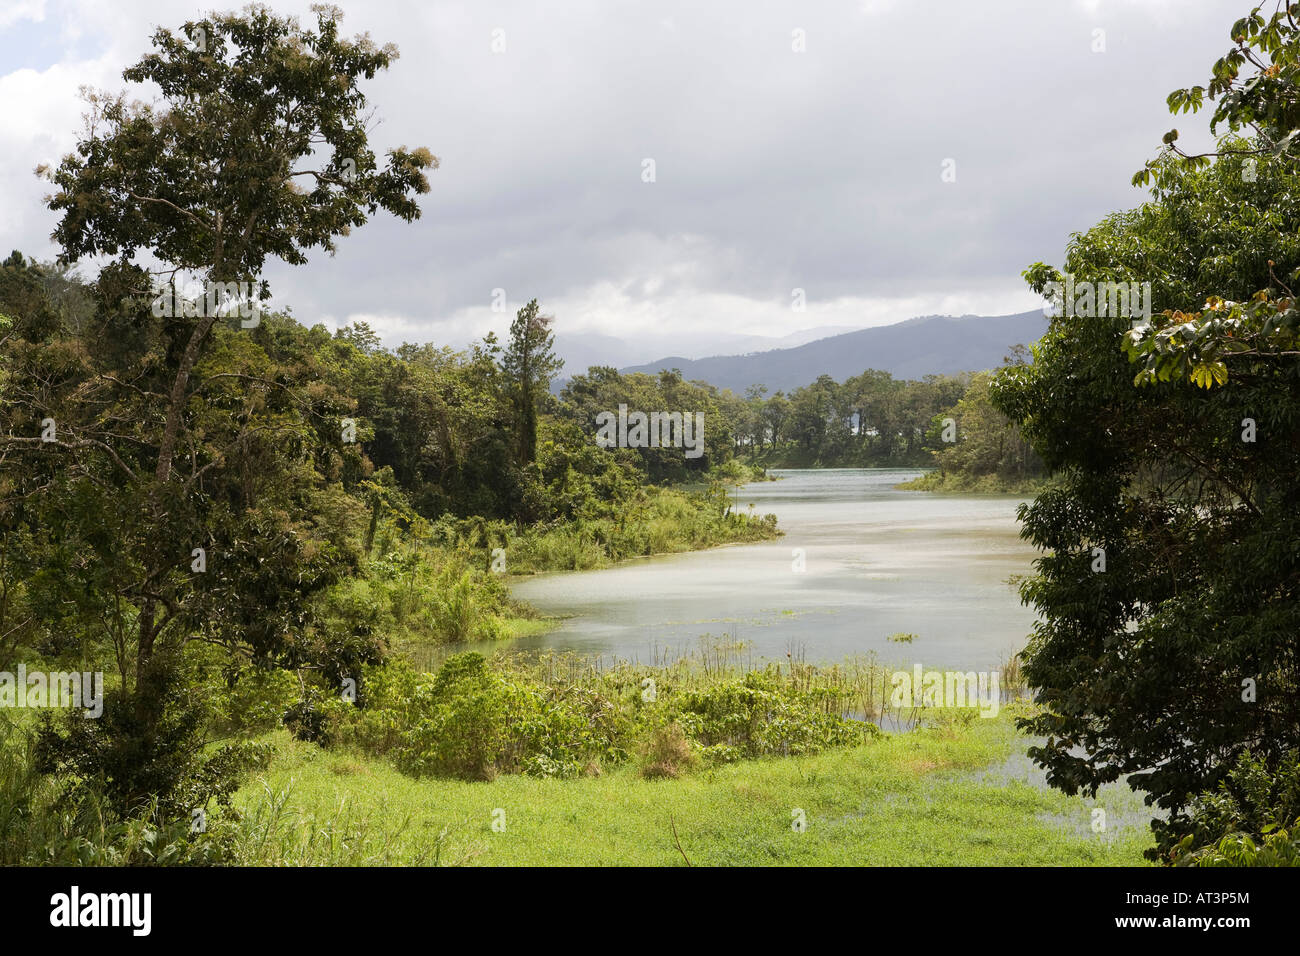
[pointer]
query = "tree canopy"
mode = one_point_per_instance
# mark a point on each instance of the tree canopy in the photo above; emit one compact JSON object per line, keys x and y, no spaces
{"x":1167,"y":588}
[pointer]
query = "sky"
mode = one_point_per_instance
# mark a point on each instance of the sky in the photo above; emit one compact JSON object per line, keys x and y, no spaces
{"x":815,"y":163}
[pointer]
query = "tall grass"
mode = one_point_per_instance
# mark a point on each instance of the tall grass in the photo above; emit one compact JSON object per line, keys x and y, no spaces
{"x":858,"y":687}
{"x":275,"y":831}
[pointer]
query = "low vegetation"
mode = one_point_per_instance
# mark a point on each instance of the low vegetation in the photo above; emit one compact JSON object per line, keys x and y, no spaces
{"x":957,"y":483}
{"x":552,"y":760}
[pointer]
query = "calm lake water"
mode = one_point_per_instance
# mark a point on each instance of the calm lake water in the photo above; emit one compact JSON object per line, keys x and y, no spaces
{"x":876,"y":562}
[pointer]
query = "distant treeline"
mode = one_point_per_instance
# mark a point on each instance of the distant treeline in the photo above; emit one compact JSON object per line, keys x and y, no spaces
{"x":871,"y":419}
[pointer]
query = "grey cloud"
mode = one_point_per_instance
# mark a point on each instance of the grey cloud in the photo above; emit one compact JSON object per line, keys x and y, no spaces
{"x":775,"y":169}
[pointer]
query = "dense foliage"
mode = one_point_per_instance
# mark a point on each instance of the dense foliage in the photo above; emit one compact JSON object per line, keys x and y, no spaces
{"x":476,"y":718}
{"x":979,"y":448}
{"x":1167,"y":588}
{"x":869,"y":419}
{"x":1251,"y":819}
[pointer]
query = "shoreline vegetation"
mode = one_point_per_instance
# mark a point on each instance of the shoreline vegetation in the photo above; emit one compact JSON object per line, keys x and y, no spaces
{"x":449,"y":583}
{"x":519,"y":759}
{"x":924,"y":798}
{"x":939,"y":481}
{"x":737,"y":471}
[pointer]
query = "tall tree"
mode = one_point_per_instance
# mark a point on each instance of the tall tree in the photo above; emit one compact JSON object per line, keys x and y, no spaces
{"x":1169,"y":586}
{"x":171,"y":432}
{"x":529,"y":364}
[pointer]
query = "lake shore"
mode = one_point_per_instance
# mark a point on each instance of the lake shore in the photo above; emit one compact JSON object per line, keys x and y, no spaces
{"x":858,"y":561}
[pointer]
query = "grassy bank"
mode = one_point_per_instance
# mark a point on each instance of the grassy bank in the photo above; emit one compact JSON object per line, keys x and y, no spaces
{"x":446,"y":582}
{"x":945,"y":482}
{"x":913,"y":799}
{"x":654,"y":520}
{"x":760,"y":742}
{"x":544,"y":761}
{"x":761,"y":748}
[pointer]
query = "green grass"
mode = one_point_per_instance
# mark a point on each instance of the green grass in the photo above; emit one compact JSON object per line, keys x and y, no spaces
{"x":529,"y":626}
{"x":920,"y":798}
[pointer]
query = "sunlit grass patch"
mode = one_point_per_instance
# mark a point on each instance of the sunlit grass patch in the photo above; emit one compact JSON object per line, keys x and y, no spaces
{"x":905,"y":799}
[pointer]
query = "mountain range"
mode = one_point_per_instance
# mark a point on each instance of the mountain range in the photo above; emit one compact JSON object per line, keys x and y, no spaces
{"x":932,"y":344}
{"x":580,"y":350}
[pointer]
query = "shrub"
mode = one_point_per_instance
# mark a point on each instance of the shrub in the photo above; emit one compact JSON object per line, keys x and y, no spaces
{"x":148,"y":749}
{"x":253,"y":700}
{"x":665,"y":752}
{"x":386,"y":708}
{"x":1252,"y":819}
{"x":1277,"y":847}
{"x":477,"y":718}
{"x":759,"y":716}
{"x":307,"y":718}
{"x":44,"y":824}
{"x":463,"y":723}
{"x":474,"y":721}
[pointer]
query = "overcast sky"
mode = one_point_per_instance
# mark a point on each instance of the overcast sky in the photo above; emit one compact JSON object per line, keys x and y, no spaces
{"x":775,"y":169}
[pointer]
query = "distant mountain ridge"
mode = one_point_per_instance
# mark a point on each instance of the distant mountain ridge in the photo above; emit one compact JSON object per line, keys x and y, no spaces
{"x":932,"y":344}
{"x":583,"y":349}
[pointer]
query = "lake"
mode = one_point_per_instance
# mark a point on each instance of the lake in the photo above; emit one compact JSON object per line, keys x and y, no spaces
{"x":859,"y":561}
